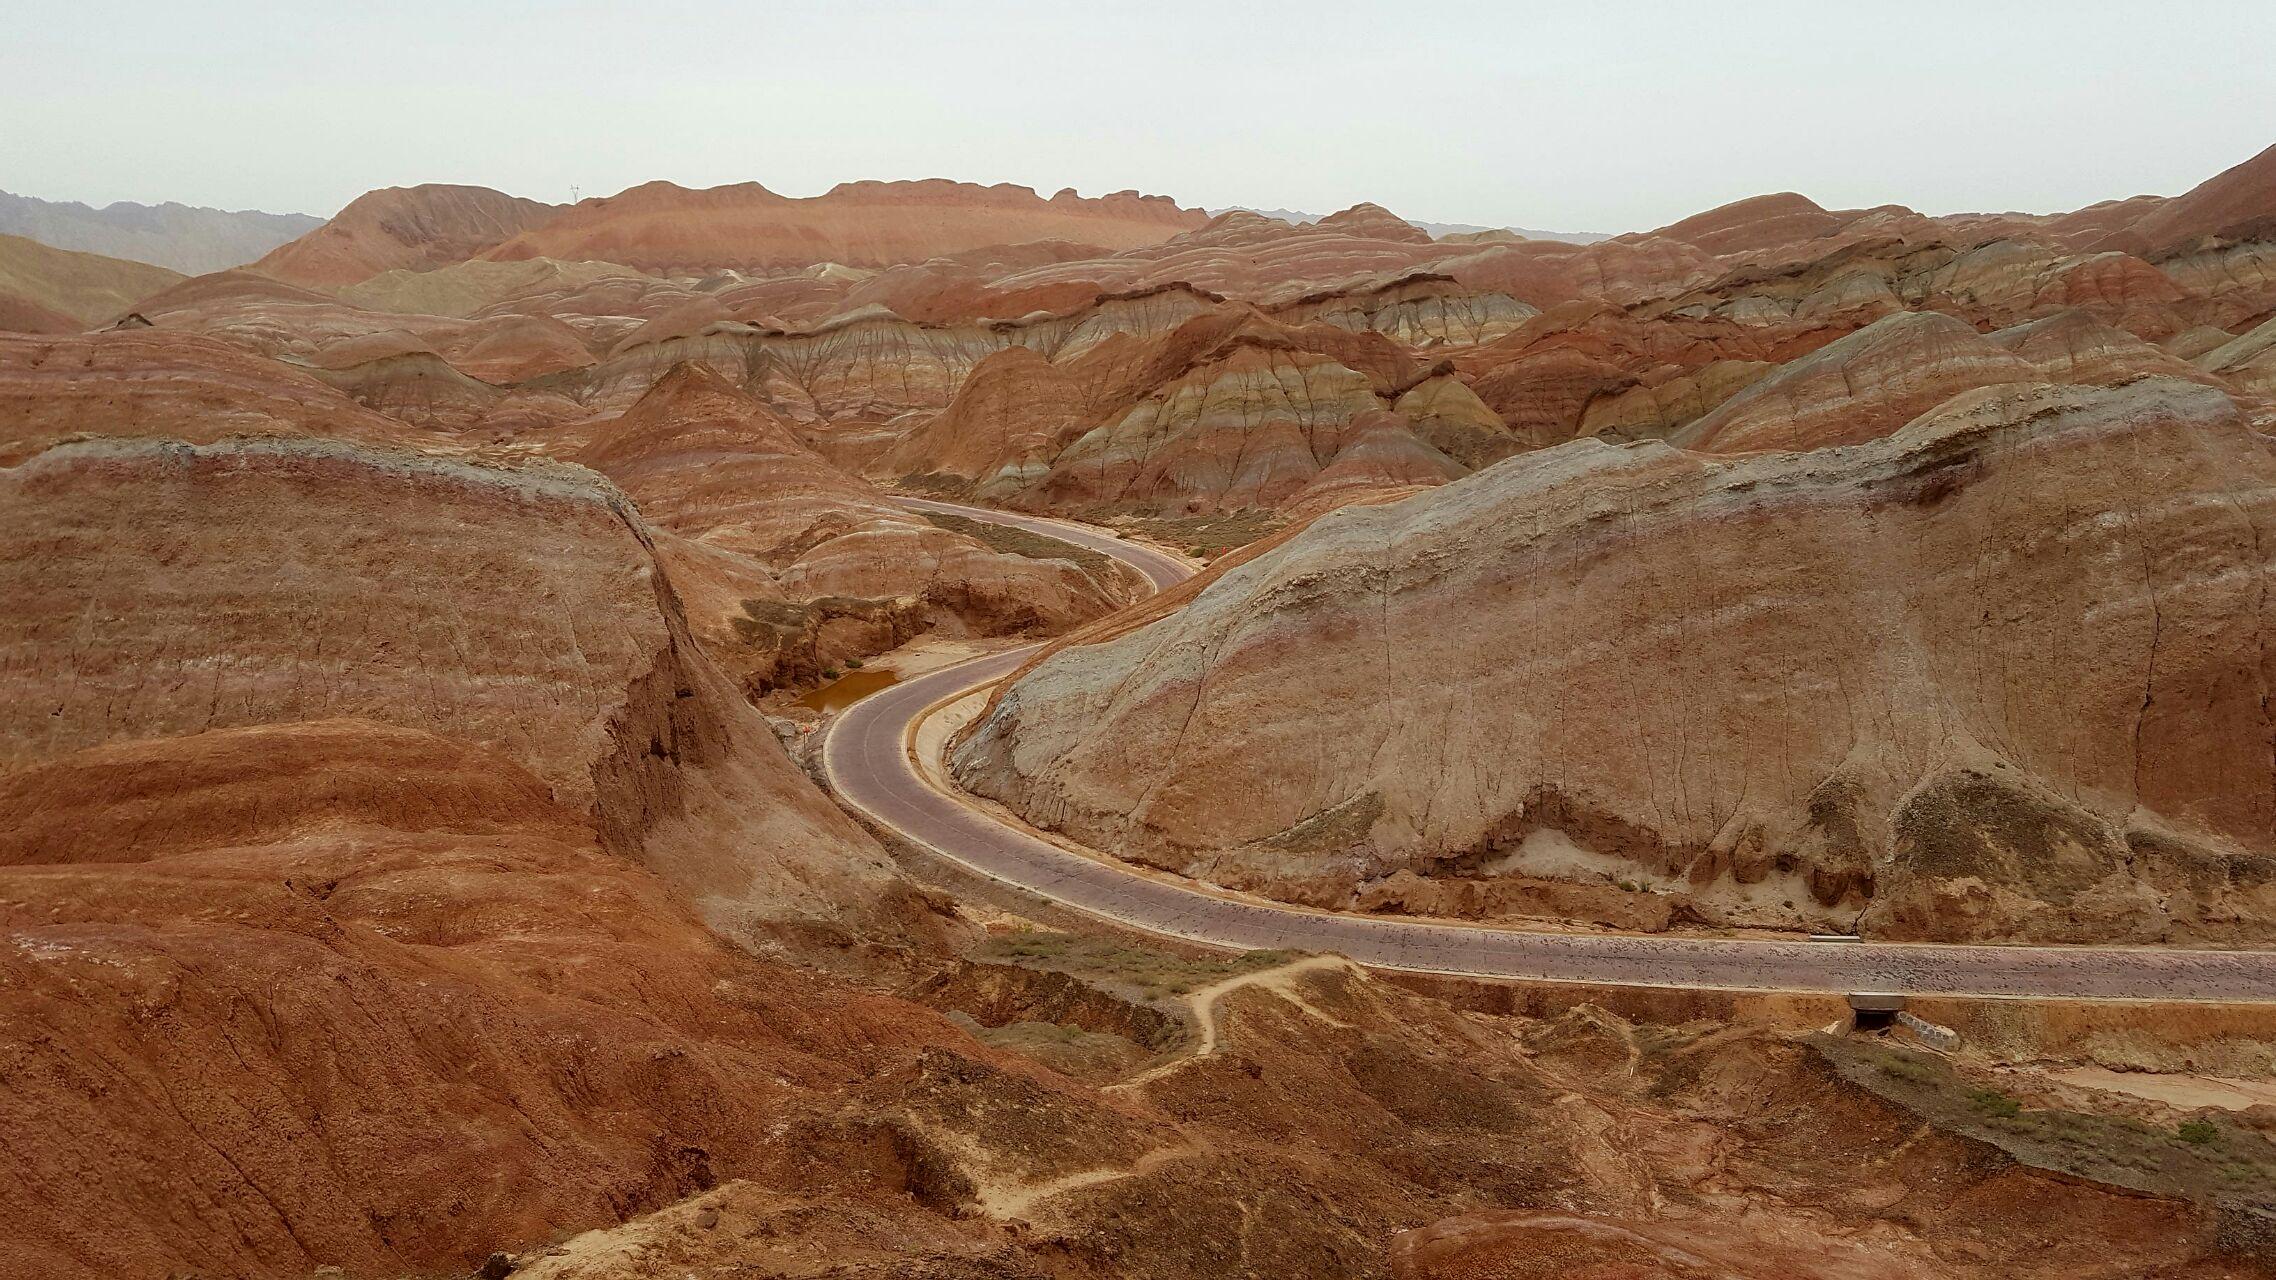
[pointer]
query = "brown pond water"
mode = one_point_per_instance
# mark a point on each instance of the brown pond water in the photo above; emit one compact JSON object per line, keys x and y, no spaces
{"x":848,"y":689}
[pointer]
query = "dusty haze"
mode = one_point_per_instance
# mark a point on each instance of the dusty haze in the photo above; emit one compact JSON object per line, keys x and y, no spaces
{"x":1581,"y":118}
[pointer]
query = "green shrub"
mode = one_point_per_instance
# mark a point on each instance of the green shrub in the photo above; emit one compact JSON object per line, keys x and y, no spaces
{"x":1994,"y":1103}
{"x":1908,"y":1069}
{"x":2197,"y":1131}
{"x":853,"y":664}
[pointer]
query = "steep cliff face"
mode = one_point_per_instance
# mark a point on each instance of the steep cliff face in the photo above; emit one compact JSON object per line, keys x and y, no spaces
{"x":1998,"y":675}
{"x":180,"y":589}
{"x":830,"y":568}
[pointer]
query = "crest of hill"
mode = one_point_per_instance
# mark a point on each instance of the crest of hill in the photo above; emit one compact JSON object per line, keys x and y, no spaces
{"x":431,"y":225}
{"x":2236,"y":204}
{"x":1374,"y":222}
{"x":1757,"y":222}
{"x":41,"y":281}
{"x":663,"y":227}
{"x":176,"y":236}
{"x":1462,"y":232}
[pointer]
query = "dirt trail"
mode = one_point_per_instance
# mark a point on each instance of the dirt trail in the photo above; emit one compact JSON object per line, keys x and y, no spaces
{"x":1202,"y":1005}
{"x":1280,"y":981}
{"x":1006,"y":1203}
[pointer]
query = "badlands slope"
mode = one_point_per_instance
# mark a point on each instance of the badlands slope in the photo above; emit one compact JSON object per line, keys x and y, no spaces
{"x":1997,"y":675}
{"x":860,"y":315}
{"x":397,"y":870}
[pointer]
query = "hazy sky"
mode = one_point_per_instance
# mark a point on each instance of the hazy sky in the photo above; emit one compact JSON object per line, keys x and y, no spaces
{"x":1572,"y":116}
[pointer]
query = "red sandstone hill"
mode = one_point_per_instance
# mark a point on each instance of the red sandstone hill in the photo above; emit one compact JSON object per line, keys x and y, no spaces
{"x":430,"y":225}
{"x":1755,"y":223}
{"x":661,"y":226}
{"x":2236,"y":204}
{"x":1889,"y":683}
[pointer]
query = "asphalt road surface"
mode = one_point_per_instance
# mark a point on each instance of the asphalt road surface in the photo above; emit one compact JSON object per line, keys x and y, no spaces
{"x":868,"y":760}
{"x":1160,"y":567}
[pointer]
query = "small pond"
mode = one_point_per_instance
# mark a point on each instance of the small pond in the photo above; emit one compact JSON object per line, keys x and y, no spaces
{"x":848,"y":689}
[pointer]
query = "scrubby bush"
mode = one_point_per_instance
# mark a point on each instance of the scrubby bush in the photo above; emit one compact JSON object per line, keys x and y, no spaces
{"x":1996,"y":1104}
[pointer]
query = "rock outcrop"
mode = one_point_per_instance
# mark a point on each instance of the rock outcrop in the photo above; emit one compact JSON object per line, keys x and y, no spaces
{"x":1997,"y":675}
{"x":396,"y":879}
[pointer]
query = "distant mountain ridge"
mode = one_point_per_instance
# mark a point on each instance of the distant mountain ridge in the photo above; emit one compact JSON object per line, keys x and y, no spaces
{"x":179,"y":237}
{"x":1434,"y":228}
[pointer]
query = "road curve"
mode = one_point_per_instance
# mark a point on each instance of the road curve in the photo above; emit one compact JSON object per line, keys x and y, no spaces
{"x":868,"y":760}
{"x":1160,"y":567}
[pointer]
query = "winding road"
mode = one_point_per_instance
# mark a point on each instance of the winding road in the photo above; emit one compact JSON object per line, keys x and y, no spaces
{"x":869,"y":759}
